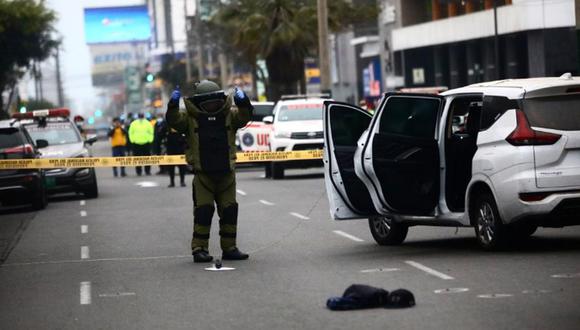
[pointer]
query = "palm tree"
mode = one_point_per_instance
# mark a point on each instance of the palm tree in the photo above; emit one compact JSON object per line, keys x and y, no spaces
{"x":283,"y":33}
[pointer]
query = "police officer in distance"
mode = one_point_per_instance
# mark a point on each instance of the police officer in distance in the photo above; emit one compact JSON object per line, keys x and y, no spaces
{"x":210,"y":124}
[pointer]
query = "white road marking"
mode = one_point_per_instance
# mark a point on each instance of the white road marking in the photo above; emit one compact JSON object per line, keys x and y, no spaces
{"x":85,"y":252}
{"x":147,"y":184}
{"x":85,"y":293}
{"x":428,"y":270}
{"x":536,"y":291}
{"x":577,"y":275}
{"x":83,"y":213}
{"x":241,"y":192}
{"x":452,"y":290}
{"x":495,"y":295}
{"x":299,"y":216}
{"x":84,"y":229}
{"x":349,"y":236}
{"x":379,"y":270}
{"x":222,"y":269}
{"x":59,"y":262}
{"x":83,"y":203}
{"x":117,"y":294}
{"x":265,"y":202}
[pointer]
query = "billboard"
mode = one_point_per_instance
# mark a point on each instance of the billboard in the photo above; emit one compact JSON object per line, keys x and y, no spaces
{"x":110,"y":60}
{"x":117,"y":24}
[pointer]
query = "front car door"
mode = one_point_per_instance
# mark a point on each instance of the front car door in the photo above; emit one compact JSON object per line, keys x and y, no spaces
{"x":399,"y":162}
{"x":343,"y":126}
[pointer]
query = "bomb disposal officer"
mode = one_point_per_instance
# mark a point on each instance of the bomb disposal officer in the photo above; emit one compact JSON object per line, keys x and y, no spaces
{"x":210,"y":124}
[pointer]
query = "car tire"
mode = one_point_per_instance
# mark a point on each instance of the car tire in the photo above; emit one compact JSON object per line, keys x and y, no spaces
{"x":268,"y":170}
{"x":92,"y":190}
{"x":39,"y":198}
{"x":490,"y":231}
{"x":385,"y":231}
{"x":277,"y":171}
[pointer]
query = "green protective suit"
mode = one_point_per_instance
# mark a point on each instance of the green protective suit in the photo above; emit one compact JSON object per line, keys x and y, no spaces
{"x":213,"y":165}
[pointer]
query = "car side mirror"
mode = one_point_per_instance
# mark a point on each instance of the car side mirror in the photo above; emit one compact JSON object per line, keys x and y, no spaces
{"x":268,"y":120}
{"x":40,"y":143}
{"x":91,"y":139}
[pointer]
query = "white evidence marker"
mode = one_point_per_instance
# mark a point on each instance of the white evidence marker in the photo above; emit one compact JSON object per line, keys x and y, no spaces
{"x":85,"y":252}
{"x":83,"y":203}
{"x":83,"y":213}
{"x":241,"y":192}
{"x":147,"y":184}
{"x":85,"y":293}
{"x":265,"y":202}
{"x":299,"y":216}
{"x":428,"y":270}
{"x":349,"y":236}
{"x":84,"y":229}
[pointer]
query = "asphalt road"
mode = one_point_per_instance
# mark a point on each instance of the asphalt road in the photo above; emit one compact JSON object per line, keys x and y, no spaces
{"x":122,"y":261}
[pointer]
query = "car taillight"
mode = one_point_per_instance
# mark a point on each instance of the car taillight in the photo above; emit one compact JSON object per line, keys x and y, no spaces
{"x":524,"y":135}
{"x":24,"y":149}
{"x":534,"y":197}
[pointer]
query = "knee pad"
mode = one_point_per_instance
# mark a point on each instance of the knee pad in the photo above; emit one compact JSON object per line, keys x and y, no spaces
{"x":202,"y":215}
{"x":230,"y":215}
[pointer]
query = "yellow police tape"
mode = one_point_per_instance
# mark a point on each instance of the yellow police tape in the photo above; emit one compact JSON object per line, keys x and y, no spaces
{"x":242,"y":157}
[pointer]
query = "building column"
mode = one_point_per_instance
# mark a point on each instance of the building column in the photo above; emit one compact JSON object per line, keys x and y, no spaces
{"x":488,"y":4}
{"x":490,"y":72}
{"x":469,"y":6}
{"x":452,"y":9}
{"x":436,"y":10}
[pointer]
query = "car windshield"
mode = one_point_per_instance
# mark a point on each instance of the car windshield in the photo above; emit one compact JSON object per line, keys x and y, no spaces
{"x":556,"y":112}
{"x":296,"y":112}
{"x":54,"y":133}
{"x":9,"y":138}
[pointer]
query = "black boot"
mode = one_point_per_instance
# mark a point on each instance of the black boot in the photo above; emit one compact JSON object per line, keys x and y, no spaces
{"x":234,"y":254}
{"x":201,"y":256}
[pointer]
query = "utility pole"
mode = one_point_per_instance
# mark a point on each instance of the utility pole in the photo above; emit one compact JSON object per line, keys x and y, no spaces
{"x":324,"y":58}
{"x":58,"y":78}
{"x":188,"y":30}
{"x":496,"y":40}
{"x":199,"y":35}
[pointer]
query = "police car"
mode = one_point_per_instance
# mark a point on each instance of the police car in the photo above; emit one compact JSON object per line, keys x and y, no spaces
{"x":296,"y":125}
{"x":256,"y":135}
{"x":63,"y":141}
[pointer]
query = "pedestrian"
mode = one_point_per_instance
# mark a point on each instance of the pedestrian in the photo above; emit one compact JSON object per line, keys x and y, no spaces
{"x":141,"y":135}
{"x":159,"y":134}
{"x":118,"y":137}
{"x":175,"y":145}
{"x":210,"y":123}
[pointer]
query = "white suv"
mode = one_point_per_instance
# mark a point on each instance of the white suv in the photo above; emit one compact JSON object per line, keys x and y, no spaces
{"x":296,"y":125}
{"x":503,"y":157}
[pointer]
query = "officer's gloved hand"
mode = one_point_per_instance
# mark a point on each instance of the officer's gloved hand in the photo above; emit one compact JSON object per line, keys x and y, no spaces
{"x":241,"y":99}
{"x":175,"y":96}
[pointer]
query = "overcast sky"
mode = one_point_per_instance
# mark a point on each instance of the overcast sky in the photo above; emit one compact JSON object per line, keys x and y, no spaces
{"x":75,"y":58}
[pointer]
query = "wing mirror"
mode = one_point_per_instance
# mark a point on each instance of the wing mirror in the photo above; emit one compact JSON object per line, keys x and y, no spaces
{"x":268,"y":120}
{"x":91,"y":139}
{"x":40,"y":143}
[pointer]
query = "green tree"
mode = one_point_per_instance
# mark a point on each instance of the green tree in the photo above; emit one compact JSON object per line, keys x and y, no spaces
{"x":283,"y":33}
{"x":38,"y":105}
{"x":26,"y":35}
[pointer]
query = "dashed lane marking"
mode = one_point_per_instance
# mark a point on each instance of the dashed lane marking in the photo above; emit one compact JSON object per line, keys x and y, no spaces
{"x":569,"y":275}
{"x":82,"y":203}
{"x":147,"y":184}
{"x":495,"y":295}
{"x":299,"y":216}
{"x":451,"y":290}
{"x":428,"y":270}
{"x":83,"y":213}
{"x":85,"y":252}
{"x":380,"y":270}
{"x":84,"y":229}
{"x":85,"y":293}
{"x":117,"y":294}
{"x":241,"y":192}
{"x":349,"y":236}
{"x":265,"y":202}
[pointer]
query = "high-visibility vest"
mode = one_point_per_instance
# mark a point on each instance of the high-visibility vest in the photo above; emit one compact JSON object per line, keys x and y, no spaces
{"x":141,"y":132}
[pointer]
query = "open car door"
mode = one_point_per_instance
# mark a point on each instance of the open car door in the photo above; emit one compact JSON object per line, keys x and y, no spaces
{"x":347,"y":194}
{"x":399,"y":162}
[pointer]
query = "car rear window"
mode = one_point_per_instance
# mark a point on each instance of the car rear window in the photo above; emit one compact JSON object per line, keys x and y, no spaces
{"x":295,"y":112}
{"x":556,"y":112}
{"x":262,"y":110}
{"x":10,"y":137}
{"x":410,"y":116}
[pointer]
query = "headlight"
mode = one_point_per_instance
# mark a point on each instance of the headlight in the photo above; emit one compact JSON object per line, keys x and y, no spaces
{"x":283,"y":134}
{"x":83,"y":172}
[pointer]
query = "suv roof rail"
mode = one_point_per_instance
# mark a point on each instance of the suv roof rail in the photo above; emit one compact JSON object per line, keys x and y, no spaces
{"x":305,"y":96}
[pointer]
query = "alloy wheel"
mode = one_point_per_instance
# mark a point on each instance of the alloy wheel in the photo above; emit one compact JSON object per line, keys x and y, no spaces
{"x":486,"y":223}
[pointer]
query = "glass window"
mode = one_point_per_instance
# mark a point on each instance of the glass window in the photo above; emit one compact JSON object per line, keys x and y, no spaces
{"x":493,"y":108}
{"x":296,"y":112}
{"x":410,"y":116}
{"x":10,"y":138}
{"x":557,"y":112}
{"x":54,"y":133}
{"x":261,"y":111}
{"x":347,"y":125}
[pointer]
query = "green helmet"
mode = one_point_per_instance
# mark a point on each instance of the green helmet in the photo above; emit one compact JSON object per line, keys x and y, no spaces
{"x":208,"y":96}
{"x":206,"y":87}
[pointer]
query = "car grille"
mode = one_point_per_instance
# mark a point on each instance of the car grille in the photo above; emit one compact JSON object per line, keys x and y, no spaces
{"x":314,"y":146}
{"x":307,"y":135}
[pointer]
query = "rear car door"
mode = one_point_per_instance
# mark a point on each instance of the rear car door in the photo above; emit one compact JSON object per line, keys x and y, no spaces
{"x":555,"y":121}
{"x":400,"y":159}
{"x":347,"y":194}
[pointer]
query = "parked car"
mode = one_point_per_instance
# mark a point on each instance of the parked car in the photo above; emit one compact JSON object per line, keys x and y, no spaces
{"x":64,"y":141}
{"x":502,"y":157}
{"x":256,"y":135}
{"x":296,"y":125}
{"x":20,"y":186}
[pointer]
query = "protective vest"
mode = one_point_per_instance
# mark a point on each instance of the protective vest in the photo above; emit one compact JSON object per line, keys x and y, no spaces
{"x":214,"y":147}
{"x":141,"y":132}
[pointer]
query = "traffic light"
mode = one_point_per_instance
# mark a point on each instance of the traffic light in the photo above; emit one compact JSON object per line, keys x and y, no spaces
{"x":150,"y":77}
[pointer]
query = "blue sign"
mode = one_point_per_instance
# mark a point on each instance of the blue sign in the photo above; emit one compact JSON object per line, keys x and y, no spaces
{"x":117,"y":24}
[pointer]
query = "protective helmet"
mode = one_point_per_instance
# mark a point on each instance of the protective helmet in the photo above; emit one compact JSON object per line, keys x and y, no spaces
{"x":208,"y":96}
